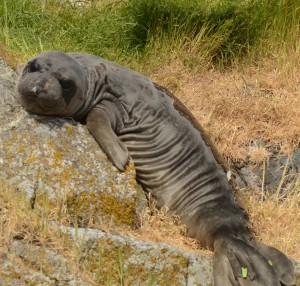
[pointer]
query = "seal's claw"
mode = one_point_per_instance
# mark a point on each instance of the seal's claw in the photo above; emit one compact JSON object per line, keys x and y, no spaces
{"x":119,"y":155}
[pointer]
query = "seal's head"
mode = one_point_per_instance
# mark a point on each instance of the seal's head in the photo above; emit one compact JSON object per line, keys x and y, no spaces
{"x":52,"y":83}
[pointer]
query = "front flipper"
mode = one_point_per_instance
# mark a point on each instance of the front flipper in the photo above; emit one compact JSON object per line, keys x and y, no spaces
{"x":237,"y":263}
{"x":100,"y":123}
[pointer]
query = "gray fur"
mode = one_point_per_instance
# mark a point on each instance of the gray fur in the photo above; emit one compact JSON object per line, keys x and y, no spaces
{"x":128,"y":114}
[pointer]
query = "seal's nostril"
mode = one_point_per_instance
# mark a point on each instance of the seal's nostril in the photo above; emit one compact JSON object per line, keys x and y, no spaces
{"x":37,"y":89}
{"x":34,"y":90}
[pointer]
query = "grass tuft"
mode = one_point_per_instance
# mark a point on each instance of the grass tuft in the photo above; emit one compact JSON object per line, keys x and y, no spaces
{"x":18,"y":221}
{"x":276,"y":220}
{"x":209,"y":32}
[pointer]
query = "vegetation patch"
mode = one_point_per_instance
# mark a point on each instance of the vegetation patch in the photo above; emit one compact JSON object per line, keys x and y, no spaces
{"x":201,"y":32}
{"x":18,"y":221}
{"x":90,"y":208}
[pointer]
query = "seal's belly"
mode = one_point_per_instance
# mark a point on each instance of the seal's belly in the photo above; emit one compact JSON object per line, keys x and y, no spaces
{"x":175,"y":165}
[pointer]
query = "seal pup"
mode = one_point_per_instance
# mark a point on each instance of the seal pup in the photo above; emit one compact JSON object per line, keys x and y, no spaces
{"x":128,"y":114}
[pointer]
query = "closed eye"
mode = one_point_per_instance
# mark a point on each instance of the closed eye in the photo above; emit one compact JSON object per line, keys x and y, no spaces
{"x":65,"y":83}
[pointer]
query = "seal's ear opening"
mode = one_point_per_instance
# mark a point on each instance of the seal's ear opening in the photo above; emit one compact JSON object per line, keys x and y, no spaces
{"x":19,"y":68}
{"x":100,"y":70}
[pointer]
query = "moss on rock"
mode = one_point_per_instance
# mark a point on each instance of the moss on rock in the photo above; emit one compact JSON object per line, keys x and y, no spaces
{"x":126,"y":261}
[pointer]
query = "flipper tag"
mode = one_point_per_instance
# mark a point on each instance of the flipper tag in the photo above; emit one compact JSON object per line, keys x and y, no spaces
{"x":244,"y":272}
{"x":270,"y":262}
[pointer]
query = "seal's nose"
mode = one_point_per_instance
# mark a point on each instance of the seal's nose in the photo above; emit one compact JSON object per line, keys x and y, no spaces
{"x":37,"y":89}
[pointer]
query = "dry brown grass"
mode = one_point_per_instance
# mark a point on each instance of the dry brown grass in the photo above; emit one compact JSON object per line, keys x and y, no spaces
{"x":241,"y":107}
{"x":8,"y":57}
{"x":276,"y":222}
{"x":18,"y":221}
{"x":161,"y":226}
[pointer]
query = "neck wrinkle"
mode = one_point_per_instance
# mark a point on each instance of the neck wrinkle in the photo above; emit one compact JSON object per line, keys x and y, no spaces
{"x":95,"y":87}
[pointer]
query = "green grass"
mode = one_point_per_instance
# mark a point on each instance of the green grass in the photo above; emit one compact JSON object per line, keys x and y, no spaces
{"x":199,"y":32}
{"x":29,"y":27}
{"x":215,"y":31}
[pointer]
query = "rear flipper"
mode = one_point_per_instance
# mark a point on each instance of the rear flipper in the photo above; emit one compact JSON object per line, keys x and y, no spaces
{"x":282,"y":266}
{"x":237,"y":263}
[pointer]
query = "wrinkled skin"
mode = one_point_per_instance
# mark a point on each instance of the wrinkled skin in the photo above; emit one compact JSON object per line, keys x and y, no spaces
{"x":128,"y":114}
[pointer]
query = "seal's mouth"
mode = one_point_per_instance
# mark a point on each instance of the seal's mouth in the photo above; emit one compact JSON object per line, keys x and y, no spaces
{"x":39,"y":101}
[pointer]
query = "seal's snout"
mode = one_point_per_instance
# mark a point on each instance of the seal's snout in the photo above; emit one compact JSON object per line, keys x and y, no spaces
{"x":40,"y":87}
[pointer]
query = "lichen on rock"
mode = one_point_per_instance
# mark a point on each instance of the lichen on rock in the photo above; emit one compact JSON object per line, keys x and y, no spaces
{"x":120,"y":259}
